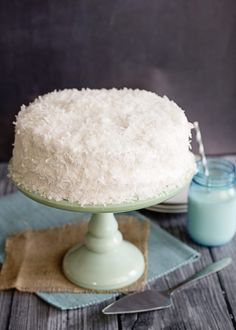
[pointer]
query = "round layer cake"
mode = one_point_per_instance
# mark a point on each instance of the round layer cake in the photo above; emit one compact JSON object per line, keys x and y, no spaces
{"x":101,"y":146}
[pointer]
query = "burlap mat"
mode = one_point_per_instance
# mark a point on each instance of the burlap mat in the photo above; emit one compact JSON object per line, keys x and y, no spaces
{"x":34,"y":258}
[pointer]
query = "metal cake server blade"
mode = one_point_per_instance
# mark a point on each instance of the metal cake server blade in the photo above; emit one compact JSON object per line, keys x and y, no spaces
{"x":153,"y":299}
{"x":139,"y":302}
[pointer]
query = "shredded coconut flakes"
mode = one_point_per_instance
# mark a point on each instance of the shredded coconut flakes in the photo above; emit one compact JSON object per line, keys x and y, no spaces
{"x":101,"y":146}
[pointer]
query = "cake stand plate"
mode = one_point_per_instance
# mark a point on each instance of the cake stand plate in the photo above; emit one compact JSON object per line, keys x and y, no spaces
{"x":105,"y":261}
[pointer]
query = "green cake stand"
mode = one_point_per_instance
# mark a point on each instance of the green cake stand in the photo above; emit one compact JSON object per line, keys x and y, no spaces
{"x":105,"y":261}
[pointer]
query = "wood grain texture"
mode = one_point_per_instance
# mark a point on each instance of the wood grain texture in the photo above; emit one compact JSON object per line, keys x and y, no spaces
{"x":5,"y":308}
{"x":208,"y":304}
{"x":227,"y":278}
{"x":91,"y":318}
{"x":201,"y":306}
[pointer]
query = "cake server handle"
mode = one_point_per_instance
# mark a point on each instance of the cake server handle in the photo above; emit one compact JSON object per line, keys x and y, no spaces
{"x":210,"y":269}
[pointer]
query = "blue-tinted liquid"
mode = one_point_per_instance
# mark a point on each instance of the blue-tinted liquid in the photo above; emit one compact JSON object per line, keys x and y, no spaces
{"x":211,"y":215}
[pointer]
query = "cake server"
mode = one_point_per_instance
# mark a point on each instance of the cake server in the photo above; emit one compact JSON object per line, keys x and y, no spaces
{"x":150,"y":300}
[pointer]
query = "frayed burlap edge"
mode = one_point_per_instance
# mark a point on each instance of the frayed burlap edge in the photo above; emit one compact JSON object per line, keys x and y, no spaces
{"x":34,"y":257}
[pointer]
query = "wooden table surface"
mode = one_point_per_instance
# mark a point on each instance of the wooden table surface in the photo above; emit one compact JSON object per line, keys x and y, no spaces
{"x":208,"y":304}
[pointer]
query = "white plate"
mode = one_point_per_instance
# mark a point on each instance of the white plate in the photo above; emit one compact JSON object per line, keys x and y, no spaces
{"x":179,"y":199}
{"x":160,"y":210}
{"x":170,"y":206}
{"x":177,"y":204}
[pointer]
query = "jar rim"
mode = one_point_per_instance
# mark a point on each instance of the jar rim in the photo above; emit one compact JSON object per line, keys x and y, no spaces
{"x":222,"y":173}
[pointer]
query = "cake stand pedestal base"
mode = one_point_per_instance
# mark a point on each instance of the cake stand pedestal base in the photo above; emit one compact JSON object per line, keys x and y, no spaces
{"x":105,"y":261}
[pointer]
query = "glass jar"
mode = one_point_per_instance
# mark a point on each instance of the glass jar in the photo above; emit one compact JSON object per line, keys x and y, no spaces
{"x":212,"y":203}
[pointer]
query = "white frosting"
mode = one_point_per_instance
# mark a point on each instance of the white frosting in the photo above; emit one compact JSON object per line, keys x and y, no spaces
{"x":101,"y":146}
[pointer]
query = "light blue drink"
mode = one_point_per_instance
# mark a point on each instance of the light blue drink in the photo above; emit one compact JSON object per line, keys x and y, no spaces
{"x":212,"y":204}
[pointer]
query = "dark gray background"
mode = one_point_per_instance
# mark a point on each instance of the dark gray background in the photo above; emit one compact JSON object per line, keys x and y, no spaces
{"x":184,"y":49}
